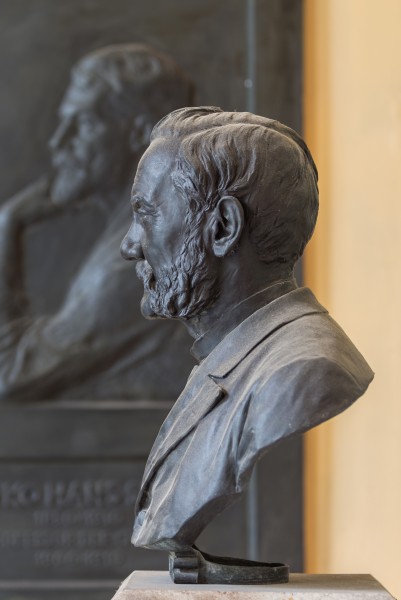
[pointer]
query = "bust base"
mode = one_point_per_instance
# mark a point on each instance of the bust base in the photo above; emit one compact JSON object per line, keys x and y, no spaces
{"x":157,"y":585}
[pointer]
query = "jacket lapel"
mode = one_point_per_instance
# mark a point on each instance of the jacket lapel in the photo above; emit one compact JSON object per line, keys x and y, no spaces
{"x":260,"y":325}
{"x":200,"y":396}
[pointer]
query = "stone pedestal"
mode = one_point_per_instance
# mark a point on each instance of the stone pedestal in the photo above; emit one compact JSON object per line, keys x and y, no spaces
{"x":157,"y":585}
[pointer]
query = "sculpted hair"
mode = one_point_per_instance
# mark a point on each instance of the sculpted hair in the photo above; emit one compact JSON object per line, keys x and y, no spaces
{"x":260,"y":161}
{"x":136,"y":79}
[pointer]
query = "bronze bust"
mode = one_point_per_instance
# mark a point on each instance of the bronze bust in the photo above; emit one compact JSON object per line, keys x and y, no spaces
{"x":223,"y":206}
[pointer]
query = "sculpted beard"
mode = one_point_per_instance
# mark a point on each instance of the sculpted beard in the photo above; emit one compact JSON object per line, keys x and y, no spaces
{"x":187,"y":287}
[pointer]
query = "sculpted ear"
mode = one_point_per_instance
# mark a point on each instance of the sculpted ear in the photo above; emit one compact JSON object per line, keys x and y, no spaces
{"x":227,"y":225}
{"x":140,"y":133}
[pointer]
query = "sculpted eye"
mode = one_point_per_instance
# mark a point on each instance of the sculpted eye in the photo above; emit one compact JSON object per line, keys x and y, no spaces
{"x":141,"y":207}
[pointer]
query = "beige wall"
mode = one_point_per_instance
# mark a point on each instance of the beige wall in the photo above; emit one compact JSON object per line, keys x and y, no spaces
{"x":353,"y":126}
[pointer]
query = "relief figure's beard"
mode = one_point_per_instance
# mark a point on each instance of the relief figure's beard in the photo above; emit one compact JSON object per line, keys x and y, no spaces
{"x":69,"y":184}
{"x":183,"y":290}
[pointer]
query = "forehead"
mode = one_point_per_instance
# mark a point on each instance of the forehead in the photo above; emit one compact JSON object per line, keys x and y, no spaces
{"x":155,"y":167}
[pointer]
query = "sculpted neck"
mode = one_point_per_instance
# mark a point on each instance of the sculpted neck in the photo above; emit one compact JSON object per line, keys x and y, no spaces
{"x":239,"y":279}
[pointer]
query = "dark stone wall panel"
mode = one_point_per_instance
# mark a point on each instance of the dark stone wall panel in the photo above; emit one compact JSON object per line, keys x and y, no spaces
{"x":39,"y":43}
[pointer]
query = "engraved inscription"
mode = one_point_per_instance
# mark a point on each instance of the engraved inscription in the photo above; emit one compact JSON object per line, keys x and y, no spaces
{"x":97,"y":493}
{"x":86,"y":517}
{"x":63,"y":539}
{"x":71,"y":558}
{"x":67,"y":516}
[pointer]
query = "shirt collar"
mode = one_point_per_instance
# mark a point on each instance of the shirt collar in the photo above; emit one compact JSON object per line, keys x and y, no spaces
{"x":237,"y":344}
{"x":204,"y":344}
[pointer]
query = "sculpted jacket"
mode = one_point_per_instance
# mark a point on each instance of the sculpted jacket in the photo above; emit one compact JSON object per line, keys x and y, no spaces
{"x":284,"y":369}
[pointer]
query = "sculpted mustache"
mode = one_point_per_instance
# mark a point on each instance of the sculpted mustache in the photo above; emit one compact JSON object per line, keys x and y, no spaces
{"x":144,"y":273}
{"x":170,"y":293}
{"x":167,"y":279}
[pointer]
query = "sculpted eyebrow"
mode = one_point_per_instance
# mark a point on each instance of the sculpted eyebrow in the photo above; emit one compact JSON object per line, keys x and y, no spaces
{"x":138,"y":202}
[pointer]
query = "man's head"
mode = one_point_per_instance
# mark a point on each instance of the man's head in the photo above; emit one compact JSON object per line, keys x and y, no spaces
{"x":233,"y":179}
{"x":115,"y":96}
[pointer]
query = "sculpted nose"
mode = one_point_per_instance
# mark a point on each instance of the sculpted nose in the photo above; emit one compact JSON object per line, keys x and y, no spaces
{"x":130,"y":248}
{"x":60,"y":134}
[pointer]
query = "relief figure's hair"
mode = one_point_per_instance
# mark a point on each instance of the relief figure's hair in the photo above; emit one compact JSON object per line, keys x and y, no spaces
{"x":135,"y":78}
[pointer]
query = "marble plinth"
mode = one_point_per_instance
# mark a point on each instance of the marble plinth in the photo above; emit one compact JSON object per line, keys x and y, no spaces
{"x":157,"y":585}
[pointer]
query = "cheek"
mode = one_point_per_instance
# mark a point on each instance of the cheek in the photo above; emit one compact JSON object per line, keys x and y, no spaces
{"x":161,"y":246}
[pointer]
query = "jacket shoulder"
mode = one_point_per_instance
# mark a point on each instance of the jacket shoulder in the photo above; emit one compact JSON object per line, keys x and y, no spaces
{"x":314,"y":338}
{"x":305,"y":373}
